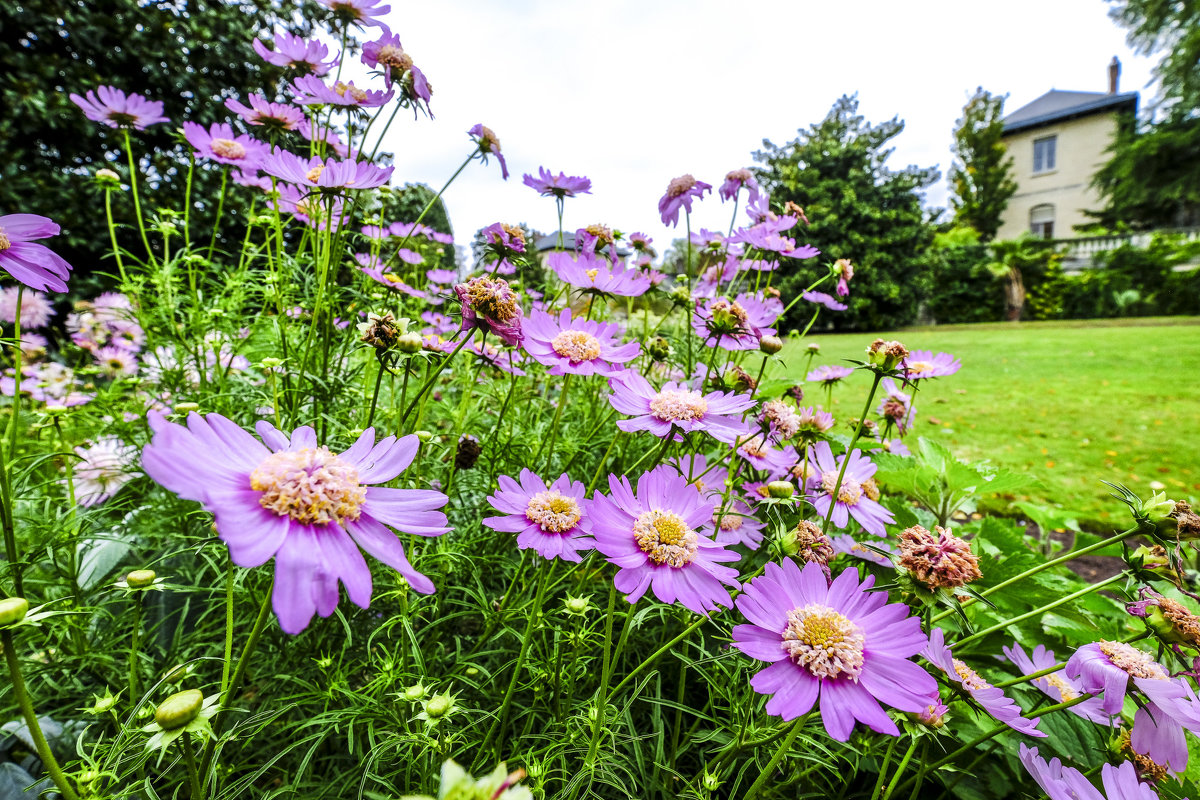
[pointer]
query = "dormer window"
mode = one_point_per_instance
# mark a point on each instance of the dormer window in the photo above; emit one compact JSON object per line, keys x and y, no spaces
{"x":1044,"y":155}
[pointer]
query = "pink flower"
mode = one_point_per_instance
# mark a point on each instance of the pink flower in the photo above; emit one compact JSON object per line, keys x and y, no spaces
{"x":34,"y":265}
{"x":591,"y":273}
{"x":736,"y":180}
{"x":577,"y":347}
{"x":838,"y":642}
{"x":679,"y":194}
{"x":310,"y":508}
{"x":829,"y":374}
{"x":548,"y":184}
{"x":822,"y":299}
{"x":854,"y":495}
{"x":736,"y":524}
{"x":760,"y":453}
{"x":219,"y":143}
{"x":361,"y":13}
{"x":1067,"y":783}
{"x":1057,"y":686}
{"x":677,"y":409}
{"x":272,"y":116}
{"x":924,"y":364}
{"x":322,"y":173}
{"x":552,"y":520}
{"x":114,"y":108}
{"x":36,"y":308}
{"x":489,"y":144}
{"x":296,"y":52}
{"x":103,"y":468}
{"x":993,"y":701}
{"x":309,"y":90}
{"x":656,"y":539}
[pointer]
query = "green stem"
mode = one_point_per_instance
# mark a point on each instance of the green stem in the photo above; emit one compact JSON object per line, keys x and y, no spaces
{"x":193,"y":776}
{"x":530,"y":623}
{"x":768,"y":773}
{"x":887,"y":760}
{"x":1039,"y":568}
{"x":605,"y":675}
{"x":562,"y":403}
{"x":112,"y":235}
{"x":212,"y":243}
{"x":1037,"y":612}
{"x":900,"y":769}
{"x":21,"y":694}
{"x":435,"y":198}
{"x":837,"y":487}
{"x":8,"y":455}
{"x":375,"y":394}
{"x":432,"y":379}
{"x":691,"y":308}
{"x":134,"y":645}
{"x":603,"y":461}
{"x":137,"y":203}
{"x":228,"y":628}
{"x":657,"y":654}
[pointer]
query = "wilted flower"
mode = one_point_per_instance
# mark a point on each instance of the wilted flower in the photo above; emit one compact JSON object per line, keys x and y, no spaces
{"x":886,"y":355}
{"x":490,"y":304}
{"x":1170,"y":619}
{"x":737,"y":179}
{"x":845,"y":272}
{"x":489,"y":144}
{"x":290,"y":498}
{"x":468,"y":452}
{"x":382,"y":331}
{"x":680,"y":192}
{"x":112,"y":107}
{"x":939,"y":559}
{"x":837,"y":642}
{"x":807,"y":543}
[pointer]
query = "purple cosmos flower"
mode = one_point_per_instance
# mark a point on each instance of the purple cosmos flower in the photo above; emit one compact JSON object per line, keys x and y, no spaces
{"x":829,"y":374}
{"x":781,"y":419}
{"x":827,"y":300}
{"x":387,"y":54}
{"x":313,"y":209}
{"x":736,"y":524}
{"x":490,"y":304}
{"x":846,"y":544}
{"x":845,"y":271}
{"x":114,"y":108}
{"x":641,"y":243}
{"x":36,"y":309}
{"x":591,"y":273}
{"x":116,"y":362}
{"x":656,"y":539}
{"x":309,"y":90}
{"x":1056,"y":685}
{"x":577,"y":347}
{"x":760,"y":453}
{"x":489,"y":144}
{"x":712,"y":278}
{"x":839,"y":643}
{"x":677,"y":409}
{"x":324,"y":173}
{"x":993,"y":701}
{"x":680,"y":192}
{"x":924,"y":364}
{"x":896,"y":406}
{"x":504,"y":240}
{"x":765,"y":236}
{"x":734,"y":181}
{"x":296,"y":52}
{"x":310,"y":508}
{"x":737,"y":324}
{"x":854,"y":497}
{"x":324,"y":136}
{"x":562,"y":185}
{"x":1067,"y":783}
{"x":553,"y":520}
{"x":388,"y":280}
{"x":261,"y":111}
{"x":361,"y":13}
{"x":814,"y":421}
{"x":34,"y":265}
{"x":219,"y":143}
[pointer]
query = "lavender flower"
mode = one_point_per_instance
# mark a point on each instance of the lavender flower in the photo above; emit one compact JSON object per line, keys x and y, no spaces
{"x":677,"y":409}
{"x":577,"y":346}
{"x":680,"y":193}
{"x":489,"y":144}
{"x":36,"y":309}
{"x":296,"y":52}
{"x":272,"y":116}
{"x":112,"y":107}
{"x":735,"y":180}
{"x":219,"y":143}
{"x":853,"y":495}
{"x":993,"y":701}
{"x":103,"y":468}
{"x":562,"y":185}
{"x":309,"y":90}
{"x":34,"y":265}
{"x":552,"y":520}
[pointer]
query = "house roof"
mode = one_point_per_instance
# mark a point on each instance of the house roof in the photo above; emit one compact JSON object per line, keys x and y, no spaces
{"x":1057,"y":106}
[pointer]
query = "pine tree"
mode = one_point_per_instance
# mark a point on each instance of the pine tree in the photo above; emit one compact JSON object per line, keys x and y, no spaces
{"x":982,"y":174}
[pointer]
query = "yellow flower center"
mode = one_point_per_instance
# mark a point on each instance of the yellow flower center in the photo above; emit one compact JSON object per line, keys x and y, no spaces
{"x":552,"y":510}
{"x":592,"y":273}
{"x":576,"y":345}
{"x":666,"y":538}
{"x":850,"y":492}
{"x":312,"y":486}
{"x":824,"y":642}
{"x":228,"y":148}
{"x":969,"y":677}
{"x":314,"y":174}
{"x":1137,"y":663}
{"x":677,"y":405}
{"x":394,"y":57}
{"x":4,"y":242}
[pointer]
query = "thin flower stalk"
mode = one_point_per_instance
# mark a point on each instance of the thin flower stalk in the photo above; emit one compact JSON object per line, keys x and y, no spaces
{"x":837,"y":486}
{"x":768,"y":772}
{"x":137,"y":203}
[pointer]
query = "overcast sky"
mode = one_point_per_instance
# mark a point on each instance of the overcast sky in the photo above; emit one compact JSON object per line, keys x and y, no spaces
{"x":632,"y":93}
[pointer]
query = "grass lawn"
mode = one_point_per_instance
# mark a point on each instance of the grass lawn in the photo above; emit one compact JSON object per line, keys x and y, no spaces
{"x":1072,"y":403}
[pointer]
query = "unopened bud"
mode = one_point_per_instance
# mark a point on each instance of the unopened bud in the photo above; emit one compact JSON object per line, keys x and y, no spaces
{"x":770,"y":344}
{"x":438,"y":706}
{"x":186,"y":408}
{"x":414,"y":693}
{"x":108,"y":178}
{"x":425,"y":436}
{"x":886,"y":355}
{"x":271,"y":362}
{"x":780,"y":490}
{"x":410,"y":343}
{"x":13,"y":610}
{"x":140,"y":578}
{"x":659,"y":348}
{"x":179,"y":709}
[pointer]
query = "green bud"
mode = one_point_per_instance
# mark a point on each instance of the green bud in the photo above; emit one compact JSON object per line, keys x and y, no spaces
{"x":108,"y":179}
{"x":13,"y":610}
{"x":410,"y":343}
{"x":780,"y":489}
{"x":770,"y":345}
{"x":425,"y":436}
{"x":179,"y":709}
{"x":1163,"y":627}
{"x":270,"y":362}
{"x":711,"y":781}
{"x":439,"y":706}
{"x":659,"y":348}
{"x":577,"y":605}
{"x":186,"y":408}
{"x":140,"y":578}
{"x":414,"y":693}
{"x":472,"y":672}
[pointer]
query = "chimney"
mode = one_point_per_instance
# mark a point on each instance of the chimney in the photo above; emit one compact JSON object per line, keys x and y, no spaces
{"x":1114,"y":75}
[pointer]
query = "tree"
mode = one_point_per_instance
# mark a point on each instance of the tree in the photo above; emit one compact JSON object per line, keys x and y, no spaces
{"x":858,"y":209}
{"x":982,"y":174}
{"x":1172,"y":28}
{"x":190,"y":54}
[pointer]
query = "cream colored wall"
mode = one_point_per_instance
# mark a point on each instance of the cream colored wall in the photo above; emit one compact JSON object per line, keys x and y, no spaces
{"x":1080,"y":152}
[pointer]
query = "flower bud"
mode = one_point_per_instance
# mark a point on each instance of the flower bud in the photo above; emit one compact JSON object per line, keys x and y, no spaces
{"x":659,"y":348}
{"x":271,"y":362}
{"x":13,"y":610}
{"x":1153,"y":559}
{"x":179,"y":709}
{"x":813,"y":349}
{"x":410,"y":343}
{"x":439,"y":706}
{"x":886,"y":355}
{"x":577,"y":605}
{"x":780,"y":490}
{"x":425,"y":436}
{"x":414,"y":693}
{"x":770,"y":345}
{"x":186,"y":408}
{"x":140,"y":578}
{"x":740,"y":380}
{"x":108,"y":179}
{"x":681,"y":296}
{"x":711,"y":781}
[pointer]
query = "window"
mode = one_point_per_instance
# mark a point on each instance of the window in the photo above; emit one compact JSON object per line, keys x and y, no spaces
{"x":1044,"y":153}
{"x":1041,"y":221}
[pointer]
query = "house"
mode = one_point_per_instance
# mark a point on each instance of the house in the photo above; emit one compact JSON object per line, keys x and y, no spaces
{"x":1057,"y":143}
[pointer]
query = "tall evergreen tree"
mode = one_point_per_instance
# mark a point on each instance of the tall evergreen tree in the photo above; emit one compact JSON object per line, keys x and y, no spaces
{"x":859,"y":209}
{"x":982,"y":174}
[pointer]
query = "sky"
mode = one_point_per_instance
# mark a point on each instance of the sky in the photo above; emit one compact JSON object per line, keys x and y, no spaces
{"x":632,"y":93}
